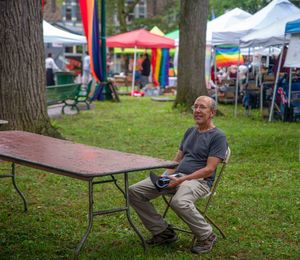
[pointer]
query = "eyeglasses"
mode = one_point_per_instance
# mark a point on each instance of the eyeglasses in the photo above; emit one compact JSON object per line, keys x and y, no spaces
{"x":201,"y":107}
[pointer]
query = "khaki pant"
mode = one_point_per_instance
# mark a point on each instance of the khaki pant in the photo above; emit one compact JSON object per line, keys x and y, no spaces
{"x":182,"y":203}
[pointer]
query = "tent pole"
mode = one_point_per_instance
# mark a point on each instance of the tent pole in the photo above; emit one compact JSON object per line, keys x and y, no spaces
{"x":290,"y":88}
{"x":261,"y":88}
{"x":216,"y":78}
{"x":133,"y":71}
{"x":276,"y":82}
{"x":237,"y":84}
{"x":247,"y":79}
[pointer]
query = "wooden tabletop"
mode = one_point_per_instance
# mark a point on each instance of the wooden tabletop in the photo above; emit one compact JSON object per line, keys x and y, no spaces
{"x":74,"y":160}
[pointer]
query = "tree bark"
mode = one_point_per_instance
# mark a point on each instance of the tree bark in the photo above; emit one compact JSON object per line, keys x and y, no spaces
{"x":22,"y":68}
{"x":191,"y":60}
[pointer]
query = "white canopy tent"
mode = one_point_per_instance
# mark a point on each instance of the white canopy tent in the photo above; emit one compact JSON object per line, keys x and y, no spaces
{"x":270,"y":35}
{"x":273,"y":12}
{"x":292,"y":58}
{"x":224,"y":21}
{"x":233,"y":16}
{"x":55,"y":35}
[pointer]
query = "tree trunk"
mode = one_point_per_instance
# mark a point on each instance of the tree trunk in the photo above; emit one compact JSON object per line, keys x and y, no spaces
{"x":22,"y":68}
{"x":191,"y":60}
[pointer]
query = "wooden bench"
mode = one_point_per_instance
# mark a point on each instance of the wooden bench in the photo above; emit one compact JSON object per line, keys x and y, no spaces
{"x":66,"y":94}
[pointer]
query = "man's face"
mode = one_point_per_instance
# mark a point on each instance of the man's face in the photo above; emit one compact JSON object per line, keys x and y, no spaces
{"x":202,"y":110}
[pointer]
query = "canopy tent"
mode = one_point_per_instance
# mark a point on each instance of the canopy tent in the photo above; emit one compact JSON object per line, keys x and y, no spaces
{"x":292,"y":58}
{"x":157,"y":31}
{"x":293,"y":27}
{"x":274,"y":11}
{"x":55,"y":35}
{"x":139,"y":39}
{"x":223,"y":21}
{"x":233,"y":16}
{"x":173,"y":35}
{"x":270,"y":35}
{"x":154,"y":30}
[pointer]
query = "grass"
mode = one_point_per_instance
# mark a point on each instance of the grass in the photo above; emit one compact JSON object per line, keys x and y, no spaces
{"x":257,"y":203}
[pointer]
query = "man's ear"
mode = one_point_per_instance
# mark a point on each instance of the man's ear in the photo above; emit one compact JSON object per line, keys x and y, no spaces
{"x":213,"y":113}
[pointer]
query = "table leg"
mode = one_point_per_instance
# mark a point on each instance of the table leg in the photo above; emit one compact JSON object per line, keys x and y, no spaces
{"x":13,"y":171}
{"x":90,"y":224}
{"x":129,"y":215}
{"x":13,"y":177}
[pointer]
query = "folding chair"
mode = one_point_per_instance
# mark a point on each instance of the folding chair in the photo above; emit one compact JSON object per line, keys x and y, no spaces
{"x":209,"y":198}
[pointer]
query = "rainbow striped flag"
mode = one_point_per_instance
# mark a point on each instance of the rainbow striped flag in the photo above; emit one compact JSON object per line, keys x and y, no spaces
{"x":90,"y":21}
{"x":227,"y":55}
{"x":160,"y":67}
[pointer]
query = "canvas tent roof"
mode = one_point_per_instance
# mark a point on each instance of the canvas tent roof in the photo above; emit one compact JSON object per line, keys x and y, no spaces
{"x":293,"y":27}
{"x":226,"y":20}
{"x":157,"y":31}
{"x":55,"y":35}
{"x":270,"y":35}
{"x":274,"y":11}
{"x":139,"y":38}
{"x":223,"y":21}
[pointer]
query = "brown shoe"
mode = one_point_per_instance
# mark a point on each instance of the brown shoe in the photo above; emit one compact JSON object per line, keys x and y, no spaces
{"x":204,"y":246}
{"x":167,"y":236}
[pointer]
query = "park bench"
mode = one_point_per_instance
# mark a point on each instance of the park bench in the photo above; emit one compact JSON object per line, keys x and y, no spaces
{"x":63,"y":94}
{"x":83,"y":96}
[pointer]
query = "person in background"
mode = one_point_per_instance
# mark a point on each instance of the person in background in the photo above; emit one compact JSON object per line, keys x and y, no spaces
{"x":109,"y":64}
{"x":86,"y":69}
{"x":145,"y":72}
{"x":50,"y":68}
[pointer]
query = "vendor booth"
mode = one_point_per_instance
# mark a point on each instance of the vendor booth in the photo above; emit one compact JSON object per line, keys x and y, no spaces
{"x":139,"y":39}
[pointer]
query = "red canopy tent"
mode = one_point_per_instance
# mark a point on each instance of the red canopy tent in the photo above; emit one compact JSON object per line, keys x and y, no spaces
{"x":139,"y":39}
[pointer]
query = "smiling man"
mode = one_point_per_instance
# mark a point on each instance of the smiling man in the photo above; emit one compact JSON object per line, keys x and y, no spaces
{"x":202,"y":148}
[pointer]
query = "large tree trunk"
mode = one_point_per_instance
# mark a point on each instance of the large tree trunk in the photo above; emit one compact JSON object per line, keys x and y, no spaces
{"x":191,"y":60}
{"x":22,"y":67}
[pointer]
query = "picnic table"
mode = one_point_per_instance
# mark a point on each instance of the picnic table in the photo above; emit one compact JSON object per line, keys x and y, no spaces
{"x":78,"y":161}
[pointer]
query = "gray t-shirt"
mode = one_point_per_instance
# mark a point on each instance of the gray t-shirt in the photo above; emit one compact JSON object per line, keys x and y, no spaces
{"x":197,"y":147}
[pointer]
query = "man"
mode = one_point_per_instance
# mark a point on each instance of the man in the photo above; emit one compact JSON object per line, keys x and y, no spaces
{"x":145,"y":72}
{"x":203,"y":147}
{"x":50,"y":68}
{"x":86,"y":69}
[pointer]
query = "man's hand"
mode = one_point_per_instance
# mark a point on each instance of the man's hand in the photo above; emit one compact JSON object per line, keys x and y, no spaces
{"x":175,"y":181}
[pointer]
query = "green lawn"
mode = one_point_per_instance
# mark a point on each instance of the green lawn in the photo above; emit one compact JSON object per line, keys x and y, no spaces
{"x":257,"y":204}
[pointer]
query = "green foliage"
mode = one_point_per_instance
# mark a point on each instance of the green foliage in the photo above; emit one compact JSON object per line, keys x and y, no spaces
{"x":257,"y":203}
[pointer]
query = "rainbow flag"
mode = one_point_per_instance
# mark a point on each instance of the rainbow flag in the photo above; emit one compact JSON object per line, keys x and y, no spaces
{"x":228,"y":55}
{"x":160,"y":66}
{"x":90,"y":21}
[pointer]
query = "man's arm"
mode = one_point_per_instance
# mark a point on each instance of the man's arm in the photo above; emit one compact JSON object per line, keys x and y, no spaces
{"x":212,"y":163}
{"x":178,"y":158}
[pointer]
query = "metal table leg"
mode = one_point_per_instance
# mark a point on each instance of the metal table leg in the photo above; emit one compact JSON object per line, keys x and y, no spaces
{"x":93,"y":213}
{"x":13,"y":170}
{"x":90,"y":224}
{"x":13,"y":177}
{"x":129,"y":215}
